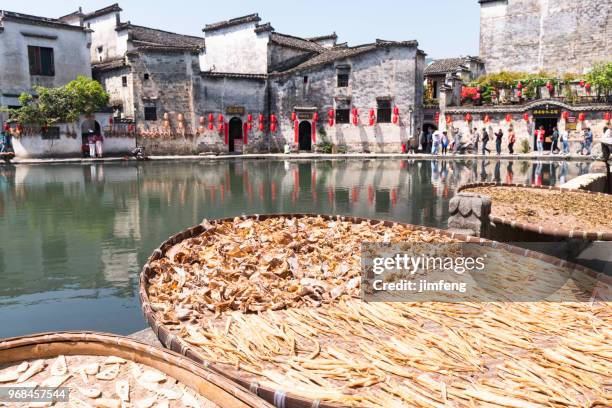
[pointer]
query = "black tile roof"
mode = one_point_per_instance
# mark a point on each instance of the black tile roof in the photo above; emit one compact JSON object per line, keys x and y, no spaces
{"x":35,"y":20}
{"x":446,"y":65}
{"x":295,"y":42}
{"x":234,"y":21}
{"x":108,"y":65}
{"x":237,"y":75}
{"x":332,"y":36}
{"x":329,"y":55}
{"x":260,"y":28}
{"x":151,"y":38}
{"x":113,"y":8}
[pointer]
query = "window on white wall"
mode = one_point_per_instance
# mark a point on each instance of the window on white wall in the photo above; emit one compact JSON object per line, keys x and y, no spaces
{"x":124,"y":81}
{"x":41,"y":61}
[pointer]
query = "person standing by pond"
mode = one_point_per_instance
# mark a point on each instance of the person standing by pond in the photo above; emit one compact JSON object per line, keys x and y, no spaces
{"x":475,"y":139}
{"x":435,"y":142}
{"x":444,"y":143}
{"x":539,"y":134}
{"x":564,"y":138}
{"x":99,"y":140}
{"x":498,"y":141}
{"x":511,"y":139}
{"x":485,"y":140}
{"x":555,"y":137}
{"x":91,"y":141}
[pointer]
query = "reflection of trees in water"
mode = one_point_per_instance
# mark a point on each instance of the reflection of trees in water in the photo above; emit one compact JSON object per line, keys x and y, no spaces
{"x":90,"y":227}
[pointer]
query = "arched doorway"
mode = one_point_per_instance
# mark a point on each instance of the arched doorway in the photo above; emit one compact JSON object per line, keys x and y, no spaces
{"x":90,"y":128}
{"x":235,"y":135}
{"x":305,"y":136}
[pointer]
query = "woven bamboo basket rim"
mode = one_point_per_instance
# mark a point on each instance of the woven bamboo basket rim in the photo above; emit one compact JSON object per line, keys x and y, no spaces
{"x":208,"y":384}
{"x":285,"y":398}
{"x":543,"y":229}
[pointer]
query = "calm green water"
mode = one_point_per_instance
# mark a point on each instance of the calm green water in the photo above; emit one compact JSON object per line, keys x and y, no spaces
{"x":73,"y":237}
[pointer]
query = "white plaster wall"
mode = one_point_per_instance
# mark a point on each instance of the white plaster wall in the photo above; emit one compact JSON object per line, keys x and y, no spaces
{"x":70,"y":49}
{"x":119,"y":94}
{"x":104,"y":35}
{"x":236,"y":49}
{"x":394,"y":72}
{"x":33,"y":146}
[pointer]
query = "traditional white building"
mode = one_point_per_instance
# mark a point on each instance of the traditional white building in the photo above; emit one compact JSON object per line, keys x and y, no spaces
{"x":245,"y":87}
{"x":39,"y":51}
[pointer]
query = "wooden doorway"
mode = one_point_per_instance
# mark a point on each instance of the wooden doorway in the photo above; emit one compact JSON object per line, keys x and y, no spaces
{"x":235,"y":135}
{"x":305,"y":136}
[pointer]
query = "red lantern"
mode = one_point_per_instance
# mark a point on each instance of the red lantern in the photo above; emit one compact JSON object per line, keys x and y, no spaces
{"x":261,"y":126}
{"x":449,"y":119}
{"x":260,"y":118}
{"x":220,"y":127}
{"x":220,"y":117}
{"x":293,"y":116}
{"x":582,"y":83}
{"x":565,"y":115}
{"x":249,"y":125}
{"x":355,"y":116}
{"x":487,"y":119}
{"x":519,"y":94}
{"x":526,"y":117}
{"x":607,"y":116}
{"x":395,"y":119}
{"x":330,"y":117}
{"x":587,"y":86}
{"x":508,"y":118}
{"x":372,"y":121}
{"x":273,"y":127}
{"x":315,"y":117}
{"x":273,"y":118}
{"x":211,"y":117}
{"x":581,"y":117}
{"x":519,"y":85}
{"x":468,"y":117}
{"x":249,"y":118}
{"x":372,"y":113}
{"x":395,"y":110}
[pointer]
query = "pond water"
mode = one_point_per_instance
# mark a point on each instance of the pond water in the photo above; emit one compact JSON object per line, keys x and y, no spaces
{"x":74,"y":237}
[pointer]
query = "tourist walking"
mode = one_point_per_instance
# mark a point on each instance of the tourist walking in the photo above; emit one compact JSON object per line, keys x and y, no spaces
{"x":475,"y":139}
{"x":564,"y":138}
{"x":456,"y":140}
{"x":429,"y":139}
{"x":555,"y":138}
{"x":485,"y":140}
{"x":511,"y":139}
{"x":444,"y":143}
{"x":91,"y":141}
{"x":498,"y":141}
{"x":435,"y":142}
{"x":539,"y":134}
{"x":589,"y":141}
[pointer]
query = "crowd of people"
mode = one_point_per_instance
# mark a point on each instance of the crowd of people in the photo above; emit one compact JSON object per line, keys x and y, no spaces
{"x":477,"y":141}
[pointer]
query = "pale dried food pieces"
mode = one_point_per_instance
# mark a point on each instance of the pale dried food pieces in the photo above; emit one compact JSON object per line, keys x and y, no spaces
{"x":59,"y":366}
{"x":566,"y":210}
{"x":108,"y":373}
{"x":276,"y":301}
{"x":118,"y":385}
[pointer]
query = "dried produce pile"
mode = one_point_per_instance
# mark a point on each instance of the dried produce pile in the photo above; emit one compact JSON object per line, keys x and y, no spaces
{"x":236,"y":297}
{"x":563,"y":209}
{"x":101,"y":382}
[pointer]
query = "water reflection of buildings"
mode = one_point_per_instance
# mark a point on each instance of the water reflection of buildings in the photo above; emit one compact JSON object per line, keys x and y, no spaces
{"x":93,"y":226}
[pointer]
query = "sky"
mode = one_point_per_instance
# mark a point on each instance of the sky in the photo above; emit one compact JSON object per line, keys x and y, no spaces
{"x":443,"y":28}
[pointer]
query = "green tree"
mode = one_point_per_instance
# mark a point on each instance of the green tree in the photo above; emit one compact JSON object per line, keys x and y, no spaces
{"x":60,"y":105}
{"x":601,"y":77}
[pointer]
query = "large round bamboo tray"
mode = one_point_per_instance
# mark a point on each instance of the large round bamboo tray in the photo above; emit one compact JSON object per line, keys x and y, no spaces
{"x":287,"y":397}
{"x":516,"y":230}
{"x":209,"y":385}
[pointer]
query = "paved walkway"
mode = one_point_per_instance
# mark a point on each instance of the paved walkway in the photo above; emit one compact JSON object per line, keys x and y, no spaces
{"x":315,"y":156}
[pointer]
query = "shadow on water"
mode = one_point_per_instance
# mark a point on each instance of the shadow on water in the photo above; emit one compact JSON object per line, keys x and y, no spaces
{"x":73,"y":237}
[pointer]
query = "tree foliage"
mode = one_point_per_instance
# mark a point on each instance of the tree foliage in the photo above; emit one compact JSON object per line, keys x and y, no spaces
{"x":60,"y":105}
{"x":601,"y":77}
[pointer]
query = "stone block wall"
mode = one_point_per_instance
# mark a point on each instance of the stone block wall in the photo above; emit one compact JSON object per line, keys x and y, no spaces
{"x":395,"y":73}
{"x":553,"y":35}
